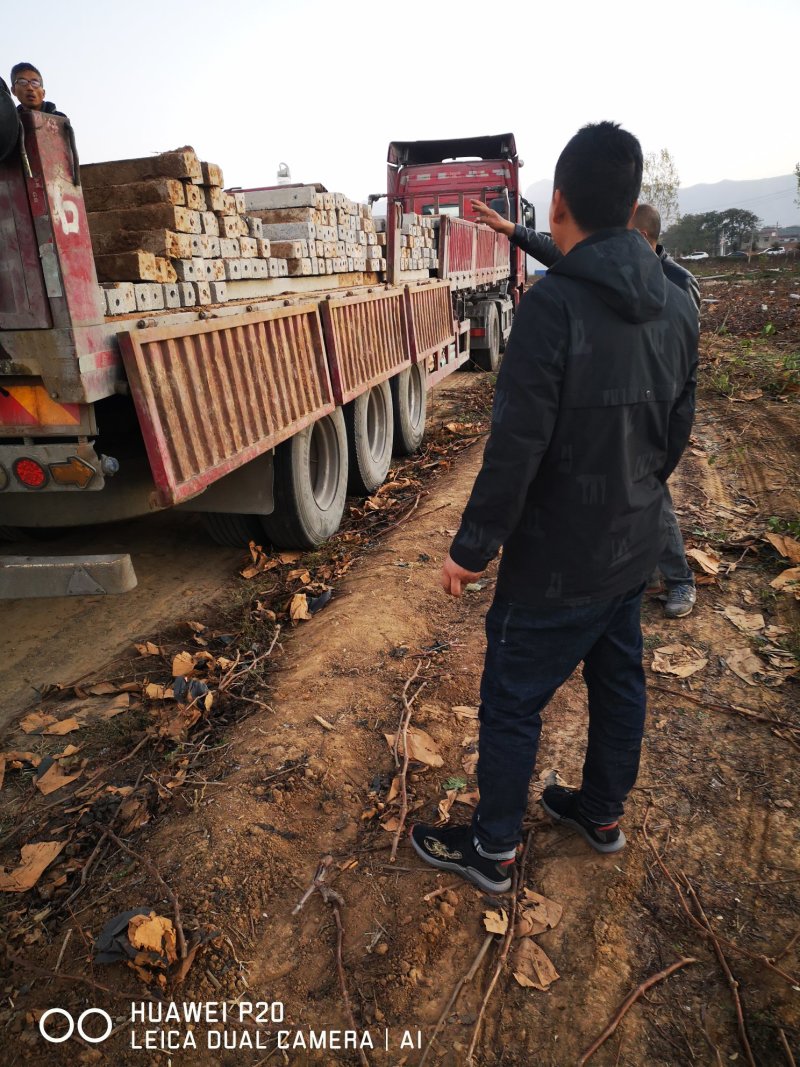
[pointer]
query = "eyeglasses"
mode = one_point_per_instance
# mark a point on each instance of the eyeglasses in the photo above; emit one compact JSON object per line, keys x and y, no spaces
{"x":33,"y":82}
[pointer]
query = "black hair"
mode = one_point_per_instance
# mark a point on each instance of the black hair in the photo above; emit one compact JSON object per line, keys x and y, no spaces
{"x":648,"y":219}
{"x":599,"y":173}
{"x":19,"y":67}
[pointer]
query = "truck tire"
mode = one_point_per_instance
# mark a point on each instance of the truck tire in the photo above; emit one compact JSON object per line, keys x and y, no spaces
{"x":410,"y":401}
{"x":488,"y":358}
{"x":310,"y":485}
{"x":233,"y":531}
{"x":370,"y":433}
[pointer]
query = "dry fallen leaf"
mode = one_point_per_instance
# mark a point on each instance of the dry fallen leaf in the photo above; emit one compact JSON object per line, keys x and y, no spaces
{"x":680,"y":660}
{"x":147,"y":648}
{"x":470,"y":762}
{"x":289,"y":557}
{"x":495,"y":922}
{"x":153,"y":933}
{"x":710,"y":564}
{"x":421,"y":747}
{"x":182,"y":664}
{"x":65,"y":726}
{"x":747,"y":622}
{"x":446,"y":804}
{"x":541,"y":909}
{"x":102,"y":689}
{"x":298,"y":608}
{"x":745,"y":664}
{"x":788,"y":581}
{"x":157,"y":692}
{"x":54,"y":778}
{"x":35,"y":858}
{"x":470,"y":798}
{"x":464,"y":711}
{"x":531,"y":966}
{"x":36,"y":722}
{"x":788,"y":547}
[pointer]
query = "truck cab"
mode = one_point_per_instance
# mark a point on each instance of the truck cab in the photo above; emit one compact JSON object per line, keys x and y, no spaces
{"x":441,"y":177}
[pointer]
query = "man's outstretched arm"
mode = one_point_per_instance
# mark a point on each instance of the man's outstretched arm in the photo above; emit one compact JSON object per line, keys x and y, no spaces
{"x":539,"y":245}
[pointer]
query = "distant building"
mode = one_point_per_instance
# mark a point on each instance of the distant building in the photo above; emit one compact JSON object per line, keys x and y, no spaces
{"x":768,"y":236}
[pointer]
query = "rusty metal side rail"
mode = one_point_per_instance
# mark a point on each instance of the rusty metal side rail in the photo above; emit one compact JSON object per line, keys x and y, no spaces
{"x":366,"y":337}
{"x":214,"y":395}
{"x":472,"y":255}
{"x":429,"y":310}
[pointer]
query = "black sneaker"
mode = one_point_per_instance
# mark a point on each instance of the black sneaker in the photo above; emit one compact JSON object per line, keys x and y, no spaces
{"x":561,"y":804}
{"x":452,"y":848}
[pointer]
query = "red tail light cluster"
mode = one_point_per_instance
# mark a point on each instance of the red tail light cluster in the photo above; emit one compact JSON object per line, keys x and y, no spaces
{"x":30,"y":473}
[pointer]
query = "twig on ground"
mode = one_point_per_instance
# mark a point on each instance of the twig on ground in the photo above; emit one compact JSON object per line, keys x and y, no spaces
{"x":789,"y":1057}
{"x":787,"y":948}
{"x":765,"y":960}
{"x":464,"y":980}
{"x":176,"y":908}
{"x":42,"y":972}
{"x":64,"y":944}
{"x":336,"y":901}
{"x":628,"y":1003}
{"x":404,"y":769}
{"x":733,"y":985}
{"x":707,"y":1035}
{"x":733,"y":709}
{"x":401,"y":520}
{"x":516,"y":884}
{"x":441,"y":891}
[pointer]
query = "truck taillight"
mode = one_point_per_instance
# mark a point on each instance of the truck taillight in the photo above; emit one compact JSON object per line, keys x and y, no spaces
{"x":477,"y":331}
{"x":30,"y":473}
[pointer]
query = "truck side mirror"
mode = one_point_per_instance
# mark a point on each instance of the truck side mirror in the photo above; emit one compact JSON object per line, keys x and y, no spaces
{"x":528,"y":215}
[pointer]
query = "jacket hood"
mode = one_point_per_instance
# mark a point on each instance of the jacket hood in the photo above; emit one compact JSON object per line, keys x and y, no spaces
{"x":623,"y":271}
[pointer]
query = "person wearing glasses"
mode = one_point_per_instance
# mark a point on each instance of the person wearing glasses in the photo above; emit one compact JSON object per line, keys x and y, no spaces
{"x":27,"y":85}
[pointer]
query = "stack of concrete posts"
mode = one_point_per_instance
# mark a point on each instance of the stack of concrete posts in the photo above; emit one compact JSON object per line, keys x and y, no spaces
{"x":166,"y":234}
{"x":419,"y":241}
{"x":318,"y":232}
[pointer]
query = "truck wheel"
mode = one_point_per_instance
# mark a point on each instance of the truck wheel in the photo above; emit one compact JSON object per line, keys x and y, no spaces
{"x":232,"y":530}
{"x":410,"y":398}
{"x":310,"y":485}
{"x":488,"y":358}
{"x":370,"y":432}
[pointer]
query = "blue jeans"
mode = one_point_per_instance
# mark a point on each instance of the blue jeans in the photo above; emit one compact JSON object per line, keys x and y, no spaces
{"x":673,"y":564}
{"x":530,"y":653}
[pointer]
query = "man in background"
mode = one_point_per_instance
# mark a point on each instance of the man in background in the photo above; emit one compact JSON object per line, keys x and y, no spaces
{"x":673,"y":566}
{"x":27,"y":84}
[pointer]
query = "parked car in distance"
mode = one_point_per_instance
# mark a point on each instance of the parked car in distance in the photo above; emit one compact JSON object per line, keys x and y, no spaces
{"x":776,"y":251}
{"x":736,"y":255}
{"x":696,"y":255}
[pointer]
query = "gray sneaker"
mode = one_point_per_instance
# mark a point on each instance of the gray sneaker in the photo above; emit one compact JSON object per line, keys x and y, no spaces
{"x":680,"y":600}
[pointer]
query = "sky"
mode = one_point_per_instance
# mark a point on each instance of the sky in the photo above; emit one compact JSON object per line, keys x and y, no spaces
{"x":324,"y":87}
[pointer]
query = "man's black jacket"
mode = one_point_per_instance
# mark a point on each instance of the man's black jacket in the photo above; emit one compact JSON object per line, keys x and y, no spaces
{"x":542,"y":247}
{"x":593,"y":408}
{"x":48,"y":107}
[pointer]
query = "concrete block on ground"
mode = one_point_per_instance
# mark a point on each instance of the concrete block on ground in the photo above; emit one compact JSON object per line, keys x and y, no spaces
{"x":219,"y":292}
{"x":120,"y":297}
{"x":149,"y":297}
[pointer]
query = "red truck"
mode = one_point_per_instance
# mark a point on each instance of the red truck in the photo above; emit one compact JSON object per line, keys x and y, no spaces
{"x":261,"y":413}
{"x":441,"y":178}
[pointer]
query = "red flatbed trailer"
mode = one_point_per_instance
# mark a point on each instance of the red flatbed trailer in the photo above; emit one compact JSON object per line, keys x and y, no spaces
{"x":234,"y":410}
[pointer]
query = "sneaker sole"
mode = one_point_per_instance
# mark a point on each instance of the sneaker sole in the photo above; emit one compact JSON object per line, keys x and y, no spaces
{"x":596,"y":845}
{"x":466,"y":872}
{"x":679,"y":613}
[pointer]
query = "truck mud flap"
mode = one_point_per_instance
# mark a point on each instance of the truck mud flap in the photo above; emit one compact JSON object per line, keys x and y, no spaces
{"x":25,"y":577}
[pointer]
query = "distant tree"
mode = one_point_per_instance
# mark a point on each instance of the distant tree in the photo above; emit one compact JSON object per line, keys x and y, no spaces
{"x":739,"y":228}
{"x":660,"y":184}
{"x":797,"y":175}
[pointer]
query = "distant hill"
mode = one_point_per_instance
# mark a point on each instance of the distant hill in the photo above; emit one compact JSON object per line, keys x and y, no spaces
{"x":772,"y":199}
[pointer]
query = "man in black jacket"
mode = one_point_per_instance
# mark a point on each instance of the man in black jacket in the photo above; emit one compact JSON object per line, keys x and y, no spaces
{"x":27,"y":85}
{"x":673,"y":566}
{"x":593,"y":407}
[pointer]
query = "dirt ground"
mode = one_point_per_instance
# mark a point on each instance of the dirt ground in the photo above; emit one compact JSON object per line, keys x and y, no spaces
{"x":232,"y":814}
